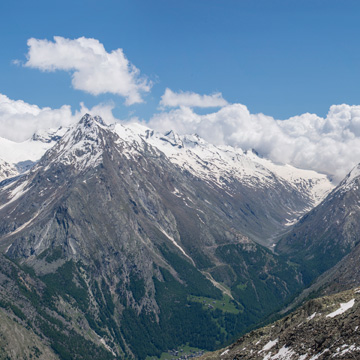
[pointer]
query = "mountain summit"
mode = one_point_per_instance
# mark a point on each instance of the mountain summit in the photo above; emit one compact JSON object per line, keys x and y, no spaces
{"x":82,"y":145}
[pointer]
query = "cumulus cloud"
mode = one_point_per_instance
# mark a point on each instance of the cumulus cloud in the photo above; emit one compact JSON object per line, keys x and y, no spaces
{"x":93,"y":69}
{"x":329,"y":145}
{"x":191,"y":99}
{"x":19,"y":120}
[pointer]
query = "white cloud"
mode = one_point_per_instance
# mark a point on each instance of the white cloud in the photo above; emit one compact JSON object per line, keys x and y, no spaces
{"x":191,"y":99}
{"x":330,"y":145}
{"x":19,"y":120}
{"x":94,"y":70}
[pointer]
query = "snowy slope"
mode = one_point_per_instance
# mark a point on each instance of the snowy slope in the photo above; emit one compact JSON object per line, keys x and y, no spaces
{"x":222,"y":165}
{"x":7,"y":170}
{"x":30,"y":150}
{"x":218,"y":165}
{"x":82,"y":145}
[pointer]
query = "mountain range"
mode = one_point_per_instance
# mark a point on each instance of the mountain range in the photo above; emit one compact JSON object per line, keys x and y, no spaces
{"x":132,"y":242}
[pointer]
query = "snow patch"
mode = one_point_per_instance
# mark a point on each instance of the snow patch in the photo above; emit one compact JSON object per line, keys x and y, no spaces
{"x":269,"y":345}
{"x":224,"y":352}
{"x":283,"y":354}
{"x":72,"y":247}
{"x":345,"y":349}
{"x":343,"y":307}
{"x":314,"y":357}
{"x":23,"y":226}
{"x":16,"y":193}
{"x":176,"y":244}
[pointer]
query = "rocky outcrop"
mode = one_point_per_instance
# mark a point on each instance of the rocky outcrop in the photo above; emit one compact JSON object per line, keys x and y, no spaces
{"x":323,"y":328}
{"x":7,"y":170}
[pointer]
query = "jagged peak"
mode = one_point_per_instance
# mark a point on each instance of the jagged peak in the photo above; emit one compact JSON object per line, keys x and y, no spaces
{"x":88,"y":128}
{"x":88,"y":120}
{"x":82,"y":145}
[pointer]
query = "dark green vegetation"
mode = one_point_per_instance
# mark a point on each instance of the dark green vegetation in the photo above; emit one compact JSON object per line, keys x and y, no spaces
{"x":71,"y":313}
{"x":59,"y":308}
{"x":226,"y":305}
{"x":260,"y":278}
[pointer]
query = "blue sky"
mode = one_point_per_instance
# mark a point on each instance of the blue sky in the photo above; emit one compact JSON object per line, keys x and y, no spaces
{"x":281,"y":58}
{"x":207,"y":66}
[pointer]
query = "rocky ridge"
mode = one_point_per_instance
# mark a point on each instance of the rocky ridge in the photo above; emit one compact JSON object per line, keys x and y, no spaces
{"x":322,"y":328}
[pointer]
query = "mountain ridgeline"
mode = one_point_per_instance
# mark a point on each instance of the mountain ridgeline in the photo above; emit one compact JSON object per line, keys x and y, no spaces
{"x":328,"y":232}
{"x":323,"y":328}
{"x":131,"y":242}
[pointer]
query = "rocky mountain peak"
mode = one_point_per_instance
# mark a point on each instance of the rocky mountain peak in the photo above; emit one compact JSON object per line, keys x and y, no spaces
{"x":173,"y":138}
{"x":82,"y":145}
{"x":88,"y":120}
{"x":88,"y":127}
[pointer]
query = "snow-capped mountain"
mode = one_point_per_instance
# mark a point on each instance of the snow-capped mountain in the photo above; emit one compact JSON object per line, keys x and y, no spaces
{"x":82,"y":145}
{"x":222,"y":165}
{"x":217,"y":164}
{"x":351,"y":180}
{"x":228,"y":168}
{"x":125,"y":230}
{"x":22,"y":156}
{"x":231,"y":170}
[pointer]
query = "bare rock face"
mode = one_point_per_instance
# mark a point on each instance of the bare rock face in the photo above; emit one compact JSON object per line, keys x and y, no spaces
{"x":323,"y":328}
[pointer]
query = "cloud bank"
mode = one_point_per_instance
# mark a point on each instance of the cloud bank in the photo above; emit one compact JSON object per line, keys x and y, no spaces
{"x":191,"y":99}
{"x":329,"y":145}
{"x":19,"y":120}
{"x":94,"y":70}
